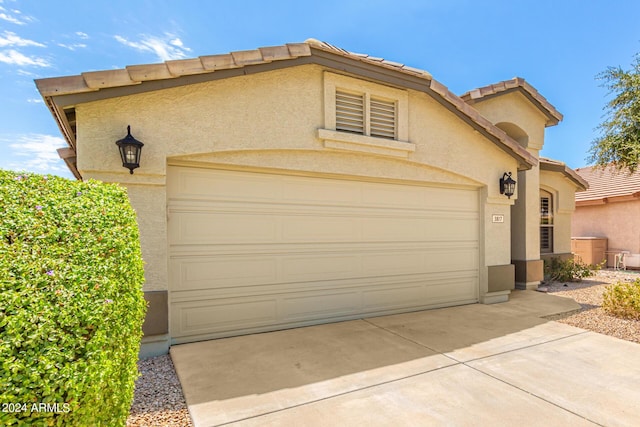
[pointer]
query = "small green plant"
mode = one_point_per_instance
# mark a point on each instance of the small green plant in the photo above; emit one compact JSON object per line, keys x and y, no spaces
{"x":623,"y":300}
{"x":71,"y":302}
{"x":569,"y":270}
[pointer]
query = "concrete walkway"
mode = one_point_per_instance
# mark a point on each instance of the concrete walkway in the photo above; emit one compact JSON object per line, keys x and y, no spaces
{"x":472,"y":365}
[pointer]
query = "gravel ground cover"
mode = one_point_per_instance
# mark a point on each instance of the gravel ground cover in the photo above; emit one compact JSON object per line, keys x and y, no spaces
{"x":588,"y":293}
{"x":159,"y":401}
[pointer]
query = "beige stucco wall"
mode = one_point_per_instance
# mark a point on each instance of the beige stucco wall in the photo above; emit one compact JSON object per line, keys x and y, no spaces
{"x":618,"y":222}
{"x":271,"y":120}
{"x":149,"y":202}
{"x":516,"y":115}
{"x":514,"y":107}
{"x":563,"y":192}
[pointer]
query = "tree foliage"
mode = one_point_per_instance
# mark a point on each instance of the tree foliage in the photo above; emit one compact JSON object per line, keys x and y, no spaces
{"x":619,"y":142}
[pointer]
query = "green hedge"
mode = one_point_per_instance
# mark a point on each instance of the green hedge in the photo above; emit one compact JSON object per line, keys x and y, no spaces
{"x":71,"y":301}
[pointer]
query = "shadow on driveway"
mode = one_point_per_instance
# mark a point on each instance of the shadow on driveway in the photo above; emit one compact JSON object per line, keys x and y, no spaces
{"x":298,"y":374}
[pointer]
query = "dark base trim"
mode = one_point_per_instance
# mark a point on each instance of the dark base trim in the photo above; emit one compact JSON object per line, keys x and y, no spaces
{"x":501,"y":277}
{"x":156,"y":321}
{"x":530,"y":271}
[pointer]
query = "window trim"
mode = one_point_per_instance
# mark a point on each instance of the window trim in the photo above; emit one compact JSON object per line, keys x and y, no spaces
{"x":352,"y":141}
{"x":334,"y":82}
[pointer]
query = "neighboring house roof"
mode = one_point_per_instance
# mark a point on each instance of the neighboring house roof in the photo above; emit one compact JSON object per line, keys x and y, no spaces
{"x":516,"y":84}
{"x":558,"y":166}
{"x":61,"y":94}
{"x":608,"y":185}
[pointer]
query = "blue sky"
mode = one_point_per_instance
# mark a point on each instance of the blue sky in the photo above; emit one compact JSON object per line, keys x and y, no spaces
{"x":558,"y":46}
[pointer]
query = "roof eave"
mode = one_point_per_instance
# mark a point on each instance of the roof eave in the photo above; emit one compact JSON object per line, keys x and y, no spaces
{"x":522,"y":86}
{"x":581,"y":183}
{"x":65,"y":92}
{"x":67,"y":154}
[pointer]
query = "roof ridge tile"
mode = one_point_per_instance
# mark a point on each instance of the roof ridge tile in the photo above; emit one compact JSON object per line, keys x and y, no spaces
{"x":185,"y":67}
{"x":248,"y":57}
{"x":222,"y":61}
{"x":108,"y":78}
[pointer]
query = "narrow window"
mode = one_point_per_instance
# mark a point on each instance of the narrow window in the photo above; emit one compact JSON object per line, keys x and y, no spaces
{"x":546,"y":222}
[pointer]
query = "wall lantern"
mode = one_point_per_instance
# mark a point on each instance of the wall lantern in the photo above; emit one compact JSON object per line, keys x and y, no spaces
{"x":507,"y":185}
{"x":130,"y":149}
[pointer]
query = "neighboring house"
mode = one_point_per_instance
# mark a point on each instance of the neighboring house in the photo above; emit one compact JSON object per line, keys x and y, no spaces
{"x":610,"y":209}
{"x":301,"y":184}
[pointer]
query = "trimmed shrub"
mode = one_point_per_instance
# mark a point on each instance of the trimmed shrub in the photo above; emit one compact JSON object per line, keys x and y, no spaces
{"x":623,"y":300}
{"x":71,"y":302}
{"x":570,"y":270}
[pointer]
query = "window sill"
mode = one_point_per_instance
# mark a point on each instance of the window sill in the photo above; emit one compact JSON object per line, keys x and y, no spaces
{"x":345,"y":141}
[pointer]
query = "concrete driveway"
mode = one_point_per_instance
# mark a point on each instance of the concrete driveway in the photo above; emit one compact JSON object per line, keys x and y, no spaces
{"x":472,"y":365}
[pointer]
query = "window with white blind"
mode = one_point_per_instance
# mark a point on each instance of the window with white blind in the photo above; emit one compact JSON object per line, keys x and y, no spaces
{"x":546,"y":222}
{"x":364,"y":114}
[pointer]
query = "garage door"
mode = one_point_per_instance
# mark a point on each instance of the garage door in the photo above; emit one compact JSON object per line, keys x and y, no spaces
{"x":252,"y":252}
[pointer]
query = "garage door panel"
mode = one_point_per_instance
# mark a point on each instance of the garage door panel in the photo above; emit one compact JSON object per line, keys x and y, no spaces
{"x":451,"y":260}
{"x":394,"y":298}
{"x":319,"y":267}
{"x":215,"y":316}
{"x":452,"y":289}
{"x":269,"y":225}
{"x":393,"y":263}
{"x":394,"y":196}
{"x":296,"y":267}
{"x":207,"y":184}
{"x":451,"y":230}
{"x":208,"y":272}
{"x":211,"y":316}
{"x":346,"y":285}
{"x":320,"y":229}
{"x":325,"y":192}
{"x":251,"y":252}
{"x":320,"y":305}
{"x":198,"y":227}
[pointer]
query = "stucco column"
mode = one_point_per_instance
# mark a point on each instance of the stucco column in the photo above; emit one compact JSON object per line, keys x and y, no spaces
{"x":150,"y":202}
{"x":525,"y":231}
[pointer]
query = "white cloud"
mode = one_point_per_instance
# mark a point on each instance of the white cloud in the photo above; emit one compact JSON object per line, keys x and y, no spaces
{"x":22,"y":20}
{"x":35,"y":101}
{"x":165,"y":48}
{"x":9,"y":38}
{"x":14,"y":57}
{"x":82,"y":35}
{"x":26,"y":73}
{"x":73,"y":46}
{"x":11,"y":19}
{"x":39,"y":151}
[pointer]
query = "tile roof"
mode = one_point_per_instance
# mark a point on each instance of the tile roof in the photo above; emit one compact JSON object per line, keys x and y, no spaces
{"x":89,"y":83}
{"x":517,"y":83}
{"x":606,"y":184}
{"x":136,"y":74}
